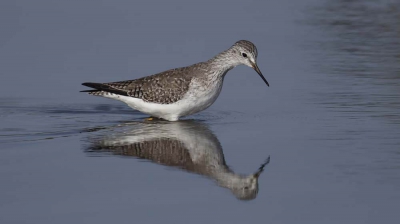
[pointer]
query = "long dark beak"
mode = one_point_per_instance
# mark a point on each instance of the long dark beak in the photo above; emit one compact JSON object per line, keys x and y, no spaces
{"x":261,"y":169}
{"x":259,"y":72}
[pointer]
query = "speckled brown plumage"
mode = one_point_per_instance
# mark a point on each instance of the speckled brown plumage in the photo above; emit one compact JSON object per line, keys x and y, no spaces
{"x":168,"y":152}
{"x":164,"y":88}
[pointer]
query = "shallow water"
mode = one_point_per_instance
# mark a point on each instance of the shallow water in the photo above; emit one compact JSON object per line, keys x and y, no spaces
{"x":330,"y":121}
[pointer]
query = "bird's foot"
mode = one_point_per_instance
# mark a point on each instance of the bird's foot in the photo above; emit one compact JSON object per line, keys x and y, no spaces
{"x":153,"y":119}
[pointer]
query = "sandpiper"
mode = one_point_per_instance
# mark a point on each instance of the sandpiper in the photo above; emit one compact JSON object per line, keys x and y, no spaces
{"x":181,"y":91}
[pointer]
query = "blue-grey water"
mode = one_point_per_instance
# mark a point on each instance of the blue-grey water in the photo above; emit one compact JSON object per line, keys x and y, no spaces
{"x":330,"y":121}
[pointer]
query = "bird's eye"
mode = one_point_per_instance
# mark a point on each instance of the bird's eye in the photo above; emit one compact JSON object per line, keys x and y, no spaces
{"x":244,"y":55}
{"x":246,"y":188}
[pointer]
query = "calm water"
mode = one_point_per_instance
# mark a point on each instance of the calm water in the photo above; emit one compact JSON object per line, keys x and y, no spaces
{"x":330,"y":121}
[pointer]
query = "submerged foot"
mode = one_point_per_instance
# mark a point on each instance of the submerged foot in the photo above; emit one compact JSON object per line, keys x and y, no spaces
{"x":154,"y":119}
{"x":161,"y":119}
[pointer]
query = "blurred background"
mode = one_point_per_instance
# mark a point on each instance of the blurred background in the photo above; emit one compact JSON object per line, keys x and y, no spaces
{"x":330,"y":119}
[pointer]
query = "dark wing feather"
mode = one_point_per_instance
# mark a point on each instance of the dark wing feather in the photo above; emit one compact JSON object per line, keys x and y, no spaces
{"x":103,"y":87}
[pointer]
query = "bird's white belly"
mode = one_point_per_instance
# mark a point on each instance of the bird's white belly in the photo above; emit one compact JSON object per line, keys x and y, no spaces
{"x":196,"y":99}
{"x":199,"y":98}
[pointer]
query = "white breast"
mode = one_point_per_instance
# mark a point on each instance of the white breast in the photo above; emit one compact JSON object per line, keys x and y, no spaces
{"x":200,"y":96}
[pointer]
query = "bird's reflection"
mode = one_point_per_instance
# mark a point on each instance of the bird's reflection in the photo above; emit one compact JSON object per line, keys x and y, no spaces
{"x":187,"y":145}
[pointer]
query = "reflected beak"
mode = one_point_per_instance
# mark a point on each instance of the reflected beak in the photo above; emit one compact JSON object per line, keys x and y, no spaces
{"x":261,"y":169}
{"x":255,"y":67}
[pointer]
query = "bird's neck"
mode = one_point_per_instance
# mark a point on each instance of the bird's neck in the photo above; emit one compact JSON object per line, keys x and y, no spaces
{"x":223,"y":62}
{"x":227,"y":179}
